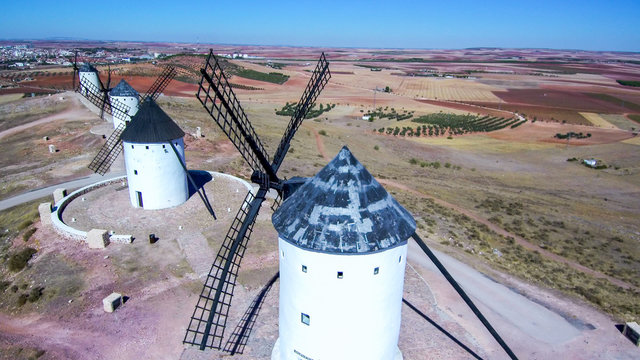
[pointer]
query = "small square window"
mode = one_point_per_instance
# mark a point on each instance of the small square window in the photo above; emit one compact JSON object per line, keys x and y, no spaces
{"x":304,"y":268}
{"x":340,"y":274}
{"x":163,"y":146}
{"x":146,"y":147}
{"x":376,"y":270}
{"x":400,"y":258}
{"x":132,"y":146}
{"x":306,"y":319}
{"x":135,"y":172}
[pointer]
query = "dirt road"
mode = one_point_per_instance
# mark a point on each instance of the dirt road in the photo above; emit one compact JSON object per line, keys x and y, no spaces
{"x":74,"y":112}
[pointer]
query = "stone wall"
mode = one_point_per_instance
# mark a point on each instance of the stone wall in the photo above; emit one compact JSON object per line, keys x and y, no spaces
{"x":75,"y":234}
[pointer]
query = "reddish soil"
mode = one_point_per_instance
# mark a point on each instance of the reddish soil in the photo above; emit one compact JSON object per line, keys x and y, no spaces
{"x":64,"y":82}
{"x":483,"y":109}
{"x":568,"y":100}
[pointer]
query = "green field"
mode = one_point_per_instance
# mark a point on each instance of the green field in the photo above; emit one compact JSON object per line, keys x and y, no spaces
{"x":272,"y":77}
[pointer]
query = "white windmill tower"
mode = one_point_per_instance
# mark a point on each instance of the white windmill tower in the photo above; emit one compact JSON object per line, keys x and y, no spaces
{"x":156,"y":177}
{"x":343,"y":246}
{"x":88,"y":76}
{"x":124,"y":94}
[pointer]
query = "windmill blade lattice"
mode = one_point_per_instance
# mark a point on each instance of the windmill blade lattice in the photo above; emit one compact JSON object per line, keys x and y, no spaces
{"x":208,"y":322}
{"x":240,"y":335}
{"x":209,"y":319}
{"x":108,"y":153}
{"x":161,"y":83}
{"x":105,"y":95}
{"x":76,"y":70}
{"x":94,"y":95}
{"x":319,"y":79}
{"x":111,"y":149}
{"x":217,"y":97}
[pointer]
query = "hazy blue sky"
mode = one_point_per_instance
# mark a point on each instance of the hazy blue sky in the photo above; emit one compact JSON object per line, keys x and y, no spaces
{"x":585,"y":24}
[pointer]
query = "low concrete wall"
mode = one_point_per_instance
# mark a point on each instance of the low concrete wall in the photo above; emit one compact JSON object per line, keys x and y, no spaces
{"x":75,"y":234}
{"x":56,"y":215}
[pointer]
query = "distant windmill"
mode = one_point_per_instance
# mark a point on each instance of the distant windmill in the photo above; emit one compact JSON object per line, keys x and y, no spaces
{"x":329,"y":204}
{"x":121,"y":111}
{"x":155,"y":179}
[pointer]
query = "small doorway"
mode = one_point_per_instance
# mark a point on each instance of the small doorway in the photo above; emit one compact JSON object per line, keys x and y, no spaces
{"x":139,"y":197}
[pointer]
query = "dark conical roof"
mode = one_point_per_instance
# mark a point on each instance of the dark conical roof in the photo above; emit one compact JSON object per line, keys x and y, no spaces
{"x":123,"y":89}
{"x":151,"y":125}
{"x":87,"y":67}
{"x":343,"y":209}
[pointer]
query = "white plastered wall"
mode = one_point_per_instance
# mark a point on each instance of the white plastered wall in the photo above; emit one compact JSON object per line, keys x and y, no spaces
{"x":355,"y":317}
{"x":155,"y":172}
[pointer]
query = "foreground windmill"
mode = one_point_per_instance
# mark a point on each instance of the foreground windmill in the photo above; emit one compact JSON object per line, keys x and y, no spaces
{"x":342,"y":243}
{"x":324,"y":231}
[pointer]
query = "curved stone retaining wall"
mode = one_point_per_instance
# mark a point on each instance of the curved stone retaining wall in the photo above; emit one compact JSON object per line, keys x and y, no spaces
{"x":75,"y":234}
{"x":56,"y":215}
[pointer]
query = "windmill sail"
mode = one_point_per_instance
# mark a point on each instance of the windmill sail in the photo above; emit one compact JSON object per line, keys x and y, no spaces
{"x":95,"y":96}
{"x":108,"y":153}
{"x":209,"y":319}
{"x":319,"y":79}
{"x":208,"y":322}
{"x":217,"y":97}
{"x":160,"y":84}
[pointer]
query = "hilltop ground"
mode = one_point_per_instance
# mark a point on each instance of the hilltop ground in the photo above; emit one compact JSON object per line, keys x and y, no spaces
{"x":507,"y":203}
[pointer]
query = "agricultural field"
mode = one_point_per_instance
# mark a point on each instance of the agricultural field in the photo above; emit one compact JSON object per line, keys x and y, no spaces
{"x":446,"y":89}
{"x":475,"y":158}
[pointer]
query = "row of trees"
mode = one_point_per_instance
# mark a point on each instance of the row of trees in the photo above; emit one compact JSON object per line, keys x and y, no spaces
{"x":451,"y":125}
{"x":290,"y":108}
{"x":462,"y":124}
{"x":380,"y":113}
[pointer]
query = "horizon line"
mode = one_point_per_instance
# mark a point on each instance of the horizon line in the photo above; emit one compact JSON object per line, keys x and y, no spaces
{"x":70,"y":39}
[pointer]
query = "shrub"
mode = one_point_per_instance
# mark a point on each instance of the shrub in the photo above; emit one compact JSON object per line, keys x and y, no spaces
{"x":4,"y":285}
{"x":22,"y":299}
{"x":322,"y":132}
{"x":18,"y":260}
{"x":376,"y":147}
{"x":27,"y":235}
{"x":35,"y":294}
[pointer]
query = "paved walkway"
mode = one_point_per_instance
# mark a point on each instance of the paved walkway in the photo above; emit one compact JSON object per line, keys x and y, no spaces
{"x":48,"y":191}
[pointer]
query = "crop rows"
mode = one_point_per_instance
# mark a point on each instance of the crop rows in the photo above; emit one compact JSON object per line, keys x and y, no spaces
{"x":451,"y":125}
{"x":442,"y":89}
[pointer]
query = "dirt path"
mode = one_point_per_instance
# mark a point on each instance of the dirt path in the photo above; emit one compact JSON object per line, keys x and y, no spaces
{"x":320,"y":145}
{"x":505,"y":233}
{"x":520,"y":240}
{"x":74,"y":112}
